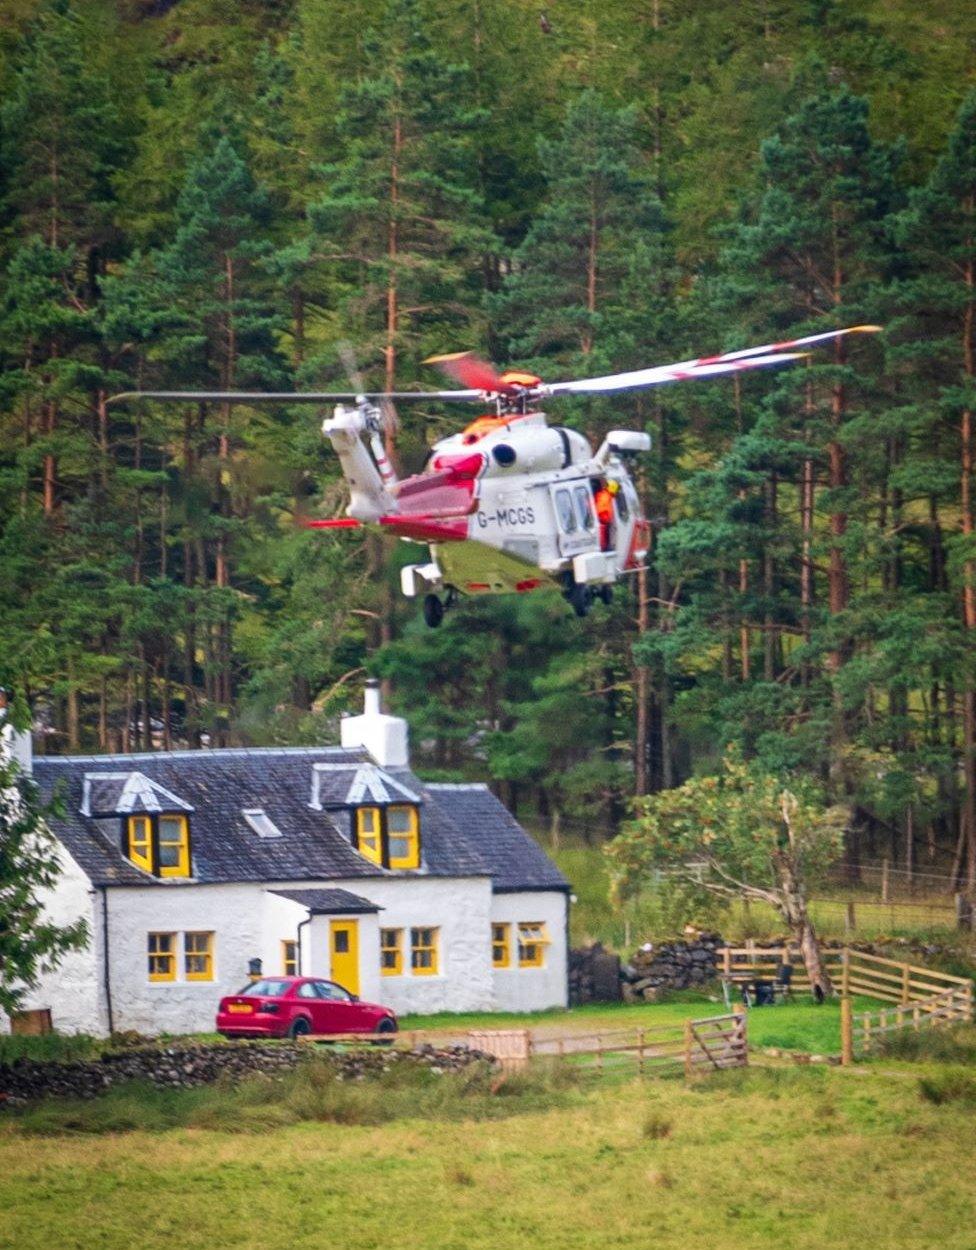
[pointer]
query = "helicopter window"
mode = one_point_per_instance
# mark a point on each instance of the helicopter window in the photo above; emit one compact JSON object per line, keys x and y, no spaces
{"x":623,"y":510}
{"x":564,"y":509}
{"x":583,"y":509}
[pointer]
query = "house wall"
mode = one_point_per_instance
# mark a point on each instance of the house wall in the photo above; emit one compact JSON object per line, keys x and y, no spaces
{"x":71,"y":992}
{"x":234,"y":913}
{"x":460,"y":909}
{"x":249,"y":920}
{"x":532,"y":989}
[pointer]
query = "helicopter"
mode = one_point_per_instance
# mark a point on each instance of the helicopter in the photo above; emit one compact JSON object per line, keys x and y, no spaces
{"x":509,"y":504}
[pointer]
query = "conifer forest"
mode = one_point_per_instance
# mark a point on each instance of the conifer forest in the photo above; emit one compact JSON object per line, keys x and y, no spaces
{"x":237,"y":193}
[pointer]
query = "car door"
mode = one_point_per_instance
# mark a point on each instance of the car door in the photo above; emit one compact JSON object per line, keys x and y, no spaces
{"x":309,"y":1004}
{"x":337,"y":1007}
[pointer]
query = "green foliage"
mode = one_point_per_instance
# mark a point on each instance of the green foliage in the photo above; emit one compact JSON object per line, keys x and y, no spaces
{"x":312,"y":1093}
{"x":740,"y":834}
{"x":215,"y":195}
{"x":30,"y":943}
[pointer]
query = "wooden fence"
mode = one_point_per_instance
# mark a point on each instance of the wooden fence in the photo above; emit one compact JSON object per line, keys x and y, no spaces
{"x":693,"y":1045}
{"x":852,"y":972}
{"x":861,"y":1031}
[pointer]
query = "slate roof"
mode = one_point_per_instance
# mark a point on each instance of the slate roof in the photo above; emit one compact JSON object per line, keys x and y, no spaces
{"x":329,"y":902}
{"x":465,"y":831}
{"x":517,"y":861}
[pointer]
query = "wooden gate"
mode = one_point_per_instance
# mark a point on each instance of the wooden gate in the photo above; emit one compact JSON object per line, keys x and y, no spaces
{"x":511,"y":1047}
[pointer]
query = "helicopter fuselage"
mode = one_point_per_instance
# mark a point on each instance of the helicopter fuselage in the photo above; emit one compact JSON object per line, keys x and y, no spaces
{"x":509,"y":504}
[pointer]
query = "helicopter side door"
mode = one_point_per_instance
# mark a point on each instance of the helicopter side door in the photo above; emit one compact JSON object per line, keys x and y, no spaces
{"x":576,"y":527}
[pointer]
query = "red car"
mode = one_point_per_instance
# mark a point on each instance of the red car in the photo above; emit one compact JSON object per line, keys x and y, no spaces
{"x":294,"y":1006}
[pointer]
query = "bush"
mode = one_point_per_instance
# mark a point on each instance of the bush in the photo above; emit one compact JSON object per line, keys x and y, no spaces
{"x":955,"y":1085}
{"x":947,"y":1045}
{"x":314,"y":1091}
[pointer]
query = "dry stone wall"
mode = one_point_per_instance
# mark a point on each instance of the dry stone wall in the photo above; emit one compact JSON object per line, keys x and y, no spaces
{"x":176,"y":1067}
{"x":597,"y":975}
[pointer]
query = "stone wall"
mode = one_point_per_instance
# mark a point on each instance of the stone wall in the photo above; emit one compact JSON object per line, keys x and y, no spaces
{"x":671,"y":966}
{"x":185,"y":1066}
{"x":596,"y":975}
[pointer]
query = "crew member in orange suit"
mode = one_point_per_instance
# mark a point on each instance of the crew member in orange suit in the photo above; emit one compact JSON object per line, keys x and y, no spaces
{"x":604,"y":511}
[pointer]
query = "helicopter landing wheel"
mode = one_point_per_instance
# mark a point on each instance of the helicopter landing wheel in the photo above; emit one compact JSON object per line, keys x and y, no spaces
{"x":606,"y":594}
{"x":433,"y":611}
{"x":580,"y":598}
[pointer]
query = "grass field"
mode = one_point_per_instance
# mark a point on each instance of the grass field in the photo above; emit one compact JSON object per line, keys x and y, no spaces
{"x":802,"y":1159}
{"x":800,"y":1025}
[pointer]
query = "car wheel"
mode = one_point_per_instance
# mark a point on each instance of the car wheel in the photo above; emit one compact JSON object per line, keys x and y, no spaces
{"x":388,"y":1027}
{"x":299,"y":1027}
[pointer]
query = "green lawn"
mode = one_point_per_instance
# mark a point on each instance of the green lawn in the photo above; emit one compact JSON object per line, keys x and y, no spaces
{"x":801,"y":1025}
{"x":797,"y":1158}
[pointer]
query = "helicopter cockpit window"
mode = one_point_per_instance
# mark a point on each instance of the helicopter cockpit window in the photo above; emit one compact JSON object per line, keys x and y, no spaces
{"x":623,"y":509}
{"x":583,"y":509}
{"x":564,"y":508}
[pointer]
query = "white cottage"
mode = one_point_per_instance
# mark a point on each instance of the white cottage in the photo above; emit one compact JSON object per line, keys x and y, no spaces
{"x":334,"y":862}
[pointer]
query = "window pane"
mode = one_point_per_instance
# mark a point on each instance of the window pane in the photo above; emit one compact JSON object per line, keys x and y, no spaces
{"x":399,"y":819}
{"x":583,"y":509}
{"x":400,"y":848}
{"x":564,"y":510}
{"x":267,"y":987}
{"x":340,"y":941}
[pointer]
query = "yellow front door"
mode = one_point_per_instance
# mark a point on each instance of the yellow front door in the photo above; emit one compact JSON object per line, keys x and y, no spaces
{"x":344,"y":950}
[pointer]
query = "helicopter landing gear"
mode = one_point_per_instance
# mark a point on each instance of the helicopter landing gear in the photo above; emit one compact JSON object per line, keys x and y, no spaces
{"x":579,"y":596}
{"x":606,"y":594}
{"x":433,"y":611}
{"x":435,"y":608}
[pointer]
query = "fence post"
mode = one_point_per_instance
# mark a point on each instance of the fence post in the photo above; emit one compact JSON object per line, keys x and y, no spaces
{"x":689,"y":1042}
{"x":884,"y":880}
{"x":845,"y":975}
{"x":964,"y":913}
{"x":905,"y":996}
{"x":727,"y":960}
{"x":846,"y":1033}
{"x":850,"y":919}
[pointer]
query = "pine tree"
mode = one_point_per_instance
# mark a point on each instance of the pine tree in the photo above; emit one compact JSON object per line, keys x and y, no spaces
{"x":936,"y":353}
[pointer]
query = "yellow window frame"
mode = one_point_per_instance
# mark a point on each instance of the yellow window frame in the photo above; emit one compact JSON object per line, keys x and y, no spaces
{"x":410,"y":835}
{"x":289,"y":957}
{"x":501,"y":945}
{"x":139,"y":846}
{"x":533,"y":938}
{"x":369,"y":834}
{"x":161,"y":953}
{"x":182,"y":843}
{"x":198,"y":956}
{"x":391,"y":952}
{"x":423,"y":951}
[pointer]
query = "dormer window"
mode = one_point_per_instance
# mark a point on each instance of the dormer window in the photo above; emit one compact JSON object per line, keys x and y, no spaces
{"x":403,"y":831}
{"x":159,"y":844}
{"x":369,"y":833}
{"x":389,"y":836}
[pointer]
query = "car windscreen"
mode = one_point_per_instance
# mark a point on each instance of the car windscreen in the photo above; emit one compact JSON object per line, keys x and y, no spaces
{"x":268,"y":987}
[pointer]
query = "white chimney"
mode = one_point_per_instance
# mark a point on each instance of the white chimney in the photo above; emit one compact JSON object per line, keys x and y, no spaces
{"x":14,"y":743}
{"x":384,"y":737}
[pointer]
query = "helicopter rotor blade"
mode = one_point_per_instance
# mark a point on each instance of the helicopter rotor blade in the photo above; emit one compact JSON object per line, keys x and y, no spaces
{"x":640,"y":378}
{"x":703,"y":366}
{"x":470,"y":370}
{"x":297,"y":397}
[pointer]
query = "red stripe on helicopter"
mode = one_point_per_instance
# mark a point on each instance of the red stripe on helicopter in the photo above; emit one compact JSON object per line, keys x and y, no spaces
{"x":337,"y":523}
{"x":426,"y":528}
